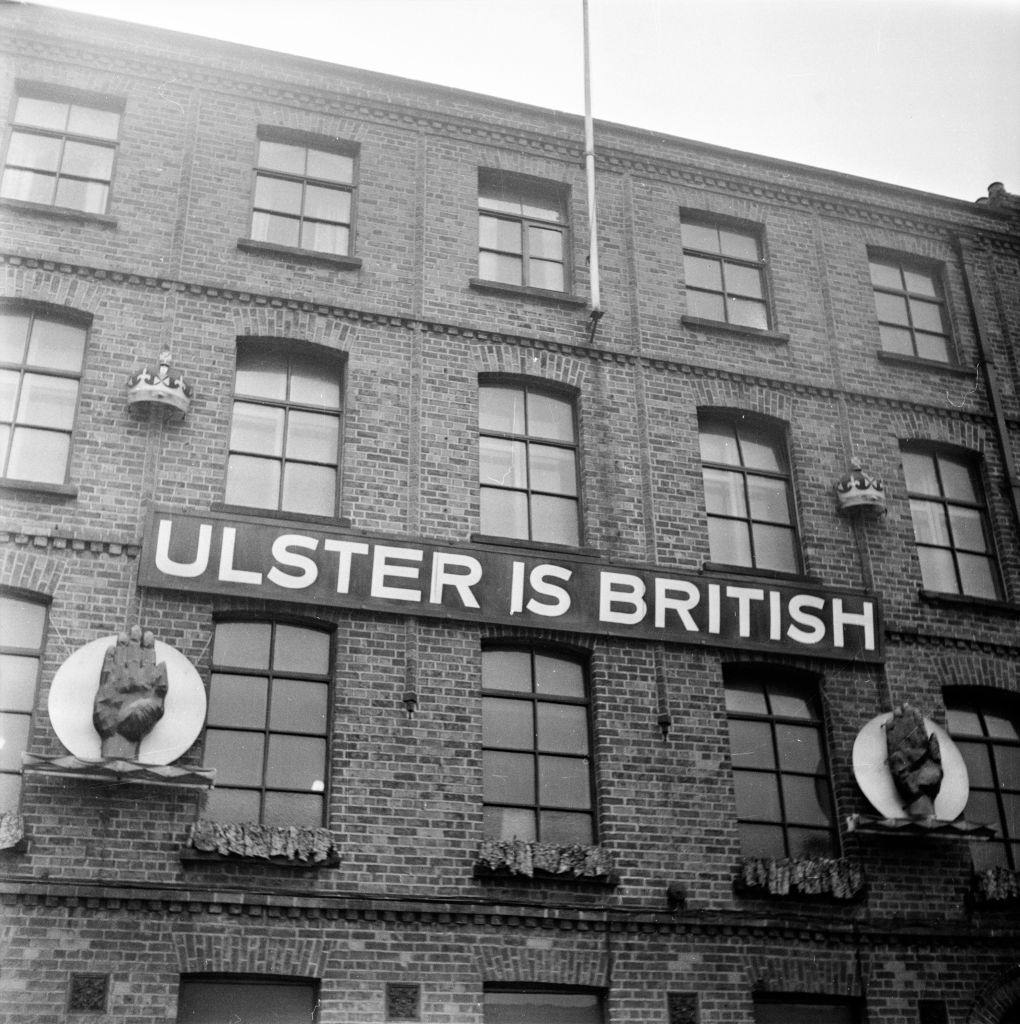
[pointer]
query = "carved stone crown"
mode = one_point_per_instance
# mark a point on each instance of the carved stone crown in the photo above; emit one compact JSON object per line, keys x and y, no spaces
{"x":160,"y":385}
{"x":860,"y":490}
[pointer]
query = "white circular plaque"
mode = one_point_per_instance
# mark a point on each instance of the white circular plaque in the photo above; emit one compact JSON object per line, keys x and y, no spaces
{"x":74,"y":692}
{"x":871,"y":769}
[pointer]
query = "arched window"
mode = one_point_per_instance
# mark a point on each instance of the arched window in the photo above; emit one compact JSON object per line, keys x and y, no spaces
{"x":22,"y":637}
{"x":268,"y":723}
{"x":536,"y":746}
{"x":285,"y":429}
{"x":780,"y":768}
{"x":986,"y":729}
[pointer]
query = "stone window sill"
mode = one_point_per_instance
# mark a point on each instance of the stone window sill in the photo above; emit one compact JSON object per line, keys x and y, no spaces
{"x":303,"y":848}
{"x":722,"y":569}
{"x":524,"y":292}
{"x":62,"y":212}
{"x":517,"y":860}
{"x":39,"y":489}
{"x":827,"y":878}
{"x":721,"y":327}
{"x":531,"y":545}
{"x":277,"y":516}
{"x":324,"y":259}
{"x":916,"y":363}
{"x":977,"y":604}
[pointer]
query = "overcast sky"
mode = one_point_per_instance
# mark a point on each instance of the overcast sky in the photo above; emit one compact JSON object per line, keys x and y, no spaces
{"x":921,"y":93}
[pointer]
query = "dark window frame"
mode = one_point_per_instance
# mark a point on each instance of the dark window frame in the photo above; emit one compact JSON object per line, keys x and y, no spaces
{"x":777,"y":434}
{"x":16,"y":650}
{"x":931,"y":269}
{"x":526,"y":988}
{"x":51,"y":93}
{"x":328,"y":679}
{"x":319,"y":143}
{"x":972,"y":463}
{"x":50,"y":313}
{"x":534,"y":699}
{"x":291,"y":350}
{"x":524,"y":187}
{"x":822,"y":1002}
{"x":252,"y":980}
{"x":809,"y":687}
{"x":984,"y":702}
{"x":529,"y":386}
{"x":749,"y":230}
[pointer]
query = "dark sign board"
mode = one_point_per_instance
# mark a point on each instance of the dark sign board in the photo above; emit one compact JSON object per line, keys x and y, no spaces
{"x":287,"y":561}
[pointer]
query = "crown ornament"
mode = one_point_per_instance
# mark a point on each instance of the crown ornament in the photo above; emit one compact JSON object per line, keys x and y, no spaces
{"x":160,"y":385}
{"x":859,"y":491}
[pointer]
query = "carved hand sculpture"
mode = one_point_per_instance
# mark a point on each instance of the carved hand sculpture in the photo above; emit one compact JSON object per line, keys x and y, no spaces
{"x":132,"y":691}
{"x":915,"y":761}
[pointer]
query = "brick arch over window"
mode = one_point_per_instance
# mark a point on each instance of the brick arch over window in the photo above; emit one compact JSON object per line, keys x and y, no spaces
{"x":506,"y":963}
{"x":812,"y":975}
{"x":736,"y":396}
{"x":996,"y":999}
{"x":282,"y":955}
{"x":282,"y":323}
{"x":28,"y":572}
{"x":55,"y":290}
{"x":530,"y":363}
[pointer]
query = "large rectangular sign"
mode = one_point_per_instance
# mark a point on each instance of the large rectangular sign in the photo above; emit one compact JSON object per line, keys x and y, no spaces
{"x":251,"y":557}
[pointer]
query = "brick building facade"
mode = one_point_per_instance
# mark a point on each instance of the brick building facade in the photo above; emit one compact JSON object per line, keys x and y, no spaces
{"x":535,"y":649}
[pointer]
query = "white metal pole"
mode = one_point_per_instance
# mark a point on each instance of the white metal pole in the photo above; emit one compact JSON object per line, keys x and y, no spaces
{"x":589,"y":166}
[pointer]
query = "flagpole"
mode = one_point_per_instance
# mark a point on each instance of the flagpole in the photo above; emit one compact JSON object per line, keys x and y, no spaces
{"x":589,"y":166}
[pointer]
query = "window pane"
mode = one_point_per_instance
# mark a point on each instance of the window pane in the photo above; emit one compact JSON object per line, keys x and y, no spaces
{"x":930,"y":525}
{"x":252,"y":482}
{"x":703,"y":273}
{"x":957,"y":479}
{"x":510,"y":823}
{"x":296,"y":762}
{"x":761,"y":453}
{"x":506,"y":670}
{"x":920,"y":283}
{"x":501,"y":462}
{"x":18,"y":676}
{"x":494,"y":267}
{"x":507,"y":723}
{"x":311,"y":384}
{"x":800,"y":749}
{"x":553,"y":469}
{"x":1007,"y":763}
{"x":885,"y":275}
{"x":979,"y":770}
{"x":738,"y":244}
{"x":309,"y":489}
{"x":563,"y":782}
{"x":278,"y":195}
{"x":558,"y":677}
{"x":788,"y":701}
{"x":293,"y":809}
{"x":937,"y":570}
{"x":495,"y":198}
{"x":724,"y":492}
{"x":508,"y":778}
{"x":897,"y":340}
{"x":927,"y":316}
{"x":757,"y":796}
{"x":745,"y":695}
{"x":214,"y":1002}
{"x":224,"y":804}
{"x":729,"y":541}
{"x":10,"y":790}
{"x":320,"y":236}
{"x":566,"y":828}
{"x":13,"y":740}
{"x":330,"y":166}
{"x":748,"y":313}
{"x":39,"y":455}
{"x":504,"y":513}
{"x":563,"y":728}
{"x":550,"y":417}
{"x":544,"y":243}
{"x":703,"y":237}
{"x":554,"y":520}
{"x":237,"y":700}
{"x":719,"y":444}
{"x":743,"y":281}
{"x":751,"y":744}
{"x":806,"y":801}
{"x":28,"y":186}
{"x":327,"y":204}
{"x":313,"y":437}
{"x":241,"y":645}
{"x":977,"y":578}
{"x":267,"y":227}
{"x":500,"y":234}
{"x":260,"y":373}
{"x":1000,"y":726}
{"x":21,"y":623}
{"x":82,"y":159}
{"x":100,"y":124}
{"x":13,"y":337}
{"x":546,"y":274}
{"x":501,"y":409}
{"x":963,"y":723}
{"x":41,"y":113}
{"x":919,"y":470}
{"x":257,"y":428}
{"x":82,"y":195}
{"x":301,"y":650}
{"x":706,"y":305}
{"x":541,"y":207}
{"x":810,"y":842}
{"x":761,"y":840}
{"x":932,"y":346}
{"x":968,"y":528}
{"x":35,"y":151}
{"x":542,"y":1008}
{"x":769,"y":499}
{"x":236,"y":756}
{"x":56,"y":346}
{"x":277,"y":156}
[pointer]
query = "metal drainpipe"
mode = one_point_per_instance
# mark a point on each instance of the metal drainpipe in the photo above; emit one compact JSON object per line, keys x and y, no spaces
{"x":965,"y":249}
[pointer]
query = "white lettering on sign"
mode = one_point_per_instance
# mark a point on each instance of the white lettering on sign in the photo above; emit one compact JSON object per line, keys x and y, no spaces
{"x":309,"y":571}
{"x":383,"y":568}
{"x":462,"y":582}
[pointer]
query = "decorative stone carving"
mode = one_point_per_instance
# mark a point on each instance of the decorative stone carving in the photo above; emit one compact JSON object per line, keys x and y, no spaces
{"x":160,"y":385}
{"x":860,"y":491}
{"x":131,"y":695}
{"x":915,"y":761}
